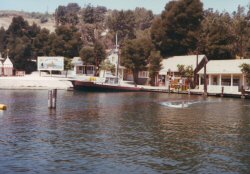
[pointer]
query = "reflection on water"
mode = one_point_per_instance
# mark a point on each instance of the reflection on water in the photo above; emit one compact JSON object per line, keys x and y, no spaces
{"x":123,"y":133}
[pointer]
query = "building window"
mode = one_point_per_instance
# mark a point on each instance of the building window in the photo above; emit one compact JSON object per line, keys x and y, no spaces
{"x":226,"y":81}
{"x":215,"y":80}
{"x":236,"y":81}
{"x":143,"y":74}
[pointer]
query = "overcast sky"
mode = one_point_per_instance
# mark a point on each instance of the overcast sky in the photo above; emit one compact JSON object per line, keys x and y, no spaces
{"x":155,"y":5}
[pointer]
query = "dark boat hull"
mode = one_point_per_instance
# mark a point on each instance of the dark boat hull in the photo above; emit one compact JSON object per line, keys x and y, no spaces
{"x":94,"y":87}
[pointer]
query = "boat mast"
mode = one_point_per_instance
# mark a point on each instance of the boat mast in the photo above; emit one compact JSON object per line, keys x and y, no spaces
{"x":117,"y":52}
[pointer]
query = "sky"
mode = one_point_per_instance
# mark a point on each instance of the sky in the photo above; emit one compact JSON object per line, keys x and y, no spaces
{"x":157,"y":6}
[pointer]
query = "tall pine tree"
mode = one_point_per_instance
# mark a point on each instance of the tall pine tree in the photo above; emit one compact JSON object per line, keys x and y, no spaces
{"x":179,"y":27}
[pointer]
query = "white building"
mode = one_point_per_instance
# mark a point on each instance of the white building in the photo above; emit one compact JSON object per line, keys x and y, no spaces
{"x":8,"y":67}
{"x":170,"y":66}
{"x":80,"y":68}
{"x":224,"y":73}
{"x":113,"y":58}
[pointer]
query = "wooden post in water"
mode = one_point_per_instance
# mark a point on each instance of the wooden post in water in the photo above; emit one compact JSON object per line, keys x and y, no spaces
{"x":52,"y":96}
{"x":222,"y":91}
{"x":205,"y":79}
{"x":189,"y":88}
{"x":49,"y":99}
{"x":242,"y":92}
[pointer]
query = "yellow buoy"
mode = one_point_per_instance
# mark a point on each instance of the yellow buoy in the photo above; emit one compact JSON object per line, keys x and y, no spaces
{"x":3,"y":107}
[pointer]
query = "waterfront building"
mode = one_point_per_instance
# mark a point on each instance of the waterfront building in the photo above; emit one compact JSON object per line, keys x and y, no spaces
{"x":169,"y":74}
{"x":79,"y":68}
{"x":143,"y":76}
{"x":226,"y":74}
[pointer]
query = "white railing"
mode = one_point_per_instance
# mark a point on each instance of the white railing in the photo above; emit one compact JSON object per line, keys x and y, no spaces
{"x":218,"y":89}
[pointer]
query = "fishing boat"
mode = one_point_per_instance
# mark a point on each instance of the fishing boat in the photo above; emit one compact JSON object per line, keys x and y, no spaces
{"x":109,"y":84}
{"x":103,"y":87}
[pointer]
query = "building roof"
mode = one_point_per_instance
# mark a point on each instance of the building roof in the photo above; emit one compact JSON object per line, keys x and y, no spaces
{"x":7,"y":63}
{"x":224,"y":66}
{"x":77,"y":61}
{"x":171,"y":63}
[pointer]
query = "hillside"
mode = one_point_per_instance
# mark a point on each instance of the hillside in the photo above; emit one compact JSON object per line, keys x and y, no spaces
{"x":6,"y":19}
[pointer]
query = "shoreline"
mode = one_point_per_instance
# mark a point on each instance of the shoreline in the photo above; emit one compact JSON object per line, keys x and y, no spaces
{"x":34,"y":82}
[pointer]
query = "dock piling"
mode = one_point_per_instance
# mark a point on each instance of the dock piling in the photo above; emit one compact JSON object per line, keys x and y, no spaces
{"x":49,"y":99}
{"x":242,"y":92}
{"x":222,"y":91}
{"x":52,"y":97}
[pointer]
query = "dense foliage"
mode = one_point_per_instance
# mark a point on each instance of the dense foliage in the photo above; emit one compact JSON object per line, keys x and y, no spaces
{"x":155,"y":66}
{"x":182,"y":28}
{"x":245,"y":68}
{"x":176,"y":32}
{"x":135,"y":55}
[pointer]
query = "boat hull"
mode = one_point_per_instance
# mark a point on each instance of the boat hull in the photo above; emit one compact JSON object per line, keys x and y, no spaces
{"x":95,"y":87}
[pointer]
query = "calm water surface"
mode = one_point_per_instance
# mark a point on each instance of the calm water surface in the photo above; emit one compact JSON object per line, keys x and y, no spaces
{"x":123,"y":133}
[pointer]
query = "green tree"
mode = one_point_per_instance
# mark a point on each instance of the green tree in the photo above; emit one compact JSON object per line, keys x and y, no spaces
{"x":89,"y":15}
{"x":60,"y":15}
{"x":67,"y":14}
{"x":94,"y":15}
{"x":2,"y":39}
{"x":154,"y":66}
{"x":123,"y":23}
{"x":87,"y":55}
{"x":187,"y":72}
{"x":179,"y":27}
{"x":157,"y":32}
{"x":41,"y":43}
{"x":143,"y":18}
{"x":21,"y":53}
{"x":245,"y":68}
{"x":19,"y":41}
{"x":66,"y":41}
{"x":88,"y":34}
{"x":99,"y":14}
{"x":218,"y":36}
{"x":100,"y":54}
{"x":135,"y":55}
{"x":181,"y":70}
{"x":240,"y":27}
{"x":73,"y":8}
{"x":107,"y":66}
{"x":18,"y":27}
{"x":67,"y":65}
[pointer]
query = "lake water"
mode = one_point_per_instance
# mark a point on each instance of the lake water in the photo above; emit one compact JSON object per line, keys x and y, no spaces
{"x":123,"y":133}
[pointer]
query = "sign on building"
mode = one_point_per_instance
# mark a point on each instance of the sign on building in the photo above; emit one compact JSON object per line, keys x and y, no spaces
{"x":50,"y":63}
